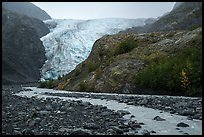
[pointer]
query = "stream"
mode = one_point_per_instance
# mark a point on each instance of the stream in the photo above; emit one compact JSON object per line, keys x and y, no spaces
{"x":139,"y":113}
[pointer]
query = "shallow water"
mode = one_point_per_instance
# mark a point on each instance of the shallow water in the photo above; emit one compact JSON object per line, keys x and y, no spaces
{"x":142,"y":114}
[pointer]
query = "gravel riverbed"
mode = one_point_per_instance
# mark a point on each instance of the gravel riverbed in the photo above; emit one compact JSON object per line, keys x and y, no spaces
{"x":53,"y":116}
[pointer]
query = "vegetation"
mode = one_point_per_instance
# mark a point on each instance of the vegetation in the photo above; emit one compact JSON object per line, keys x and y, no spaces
{"x":47,"y":84}
{"x":61,"y":86}
{"x":126,"y":46}
{"x":83,"y":86}
{"x":181,"y":72}
{"x":77,"y":72}
{"x":98,"y":73}
{"x":92,"y":66}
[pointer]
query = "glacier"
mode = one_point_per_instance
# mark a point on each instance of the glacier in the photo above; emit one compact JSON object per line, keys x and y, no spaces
{"x":70,"y":41}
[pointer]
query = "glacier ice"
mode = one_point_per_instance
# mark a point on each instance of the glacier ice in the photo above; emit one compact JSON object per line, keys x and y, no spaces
{"x":70,"y":41}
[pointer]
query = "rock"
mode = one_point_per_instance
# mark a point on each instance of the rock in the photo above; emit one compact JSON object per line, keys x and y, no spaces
{"x":112,"y":123}
{"x":187,"y":112}
{"x":67,"y":105}
{"x":145,"y":132}
{"x":198,"y":108}
{"x":123,"y":112}
{"x":17,"y":128}
{"x":43,"y":112}
{"x":153,"y":131}
{"x":42,"y":123}
{"x":141,"y":123}
{"x":63,"y":130}
{"x":143,"y":102}
{"x":130,"y":103}
{"x":173,"y":112}
{"x":190,"y":118}
{"x":121,"y":101}
{"x":116,"y":129}
{"x":132,"y":116}
{"x":27,"y":132}
{"x":32,"y":123}
{"x":70,"y":109}
{"x":158,"y":118}
{"x":110,"y":131}
{"x":185,"y":133}
{"x":48,"y":108}
{"x":134,"y":124}
{"x":105,"y":113}
{"x":27,"y":89}
{"x":181,"y":124}
{"x":16,"y":132}
{"x":79,"y":132}
{"x":37,"y":108}
{"x":91,"y":126}
{"x":180,"y":104}
{"x":37,"y":119}
{"x":85,"y":104}
{"x":63,"y":108}
{"x":123,"y":126}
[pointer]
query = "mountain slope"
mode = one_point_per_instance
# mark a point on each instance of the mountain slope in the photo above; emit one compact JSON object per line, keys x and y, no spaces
{"x":114,"y":66}
{"x":26,"y":8}
{"x":11,"y":19}
{"x":22,"y":51}
{"x":185,"y":15}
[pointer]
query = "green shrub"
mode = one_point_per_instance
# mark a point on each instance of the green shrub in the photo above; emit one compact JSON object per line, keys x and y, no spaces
{"x":42,"y":84}
{"x":91,"y":66}
{"x":181,"y":72}
{"x":47,"y":84}
{"x":126,"y":46}
{"x":98,"y":73}
{"x":83,"y":86}
{"x":77,"y":72}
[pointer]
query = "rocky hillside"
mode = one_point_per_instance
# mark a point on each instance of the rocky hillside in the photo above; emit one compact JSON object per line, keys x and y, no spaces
{"x":26,"y":8}
{"x":153,"y":63}
{"x":184,"y":15}
{"x":22,"y":51}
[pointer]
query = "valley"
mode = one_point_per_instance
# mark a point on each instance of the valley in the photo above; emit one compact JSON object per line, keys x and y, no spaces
{"x":101,"y":76}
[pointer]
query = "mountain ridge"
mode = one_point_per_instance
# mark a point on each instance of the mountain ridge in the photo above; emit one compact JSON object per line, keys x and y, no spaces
{"x":22,"y":50}
{"x":26,"y":8}
{"x":185,"y":15}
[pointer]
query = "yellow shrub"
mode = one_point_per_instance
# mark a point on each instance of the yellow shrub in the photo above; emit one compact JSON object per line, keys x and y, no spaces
{"x":185,"y":76}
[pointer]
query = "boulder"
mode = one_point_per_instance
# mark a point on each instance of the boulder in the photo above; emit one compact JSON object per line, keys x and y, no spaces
{"x":158,"y":118}
{"x":181,"y":124}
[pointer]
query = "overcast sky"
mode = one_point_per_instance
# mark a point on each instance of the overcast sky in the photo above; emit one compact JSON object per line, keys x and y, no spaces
{"x":93,"y":10}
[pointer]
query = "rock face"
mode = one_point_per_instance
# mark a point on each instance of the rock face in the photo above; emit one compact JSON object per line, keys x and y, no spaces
{"x":22,"y":51}
{"x":26,"y":8}
{"x":185,"y":15}
{"x":11,"y":20}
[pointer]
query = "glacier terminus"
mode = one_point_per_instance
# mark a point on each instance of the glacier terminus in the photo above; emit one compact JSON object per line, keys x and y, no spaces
{"x":70,"y":41}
